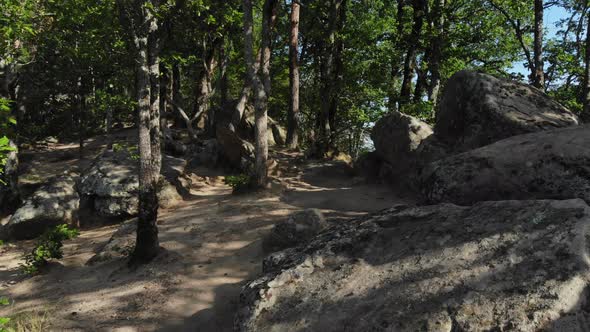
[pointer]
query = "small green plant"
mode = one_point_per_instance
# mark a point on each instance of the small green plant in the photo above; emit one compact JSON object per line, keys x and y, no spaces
{"x":130,"y":149}
{"x":1,"y":243}
{"x":4,"y":301}
{"x":49,"y":246}
{"x":240,"y":183}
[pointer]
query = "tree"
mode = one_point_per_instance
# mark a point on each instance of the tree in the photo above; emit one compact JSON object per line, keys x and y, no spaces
{"x":140,"y":18}
{"x":539,"y":75}
{"x":293,"y":118}
{"x":586,"y":80}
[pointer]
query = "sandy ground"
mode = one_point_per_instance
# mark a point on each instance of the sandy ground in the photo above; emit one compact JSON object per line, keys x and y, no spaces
{"x":212,"y":245}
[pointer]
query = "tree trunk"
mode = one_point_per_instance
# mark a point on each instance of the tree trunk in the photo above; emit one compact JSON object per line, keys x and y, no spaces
{"x":436,"y":47}
{"x":176,"y":95}
{"x":204,"y":84}
{"x":412,"y":47}
{"x":586,"y":110}
{"x":293,"y":116}
{"x":398,"y":40}
{"x":327,"y":80}
{"x":539,"y":75}
{"x":154,"y":76}
{"x":147,"y":244}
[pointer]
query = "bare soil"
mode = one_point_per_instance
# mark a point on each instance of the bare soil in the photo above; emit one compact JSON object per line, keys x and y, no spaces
{"x":212,"y":245}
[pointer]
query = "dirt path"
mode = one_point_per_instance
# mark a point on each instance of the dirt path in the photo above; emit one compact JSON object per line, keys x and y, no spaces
{"x":213,"y":246}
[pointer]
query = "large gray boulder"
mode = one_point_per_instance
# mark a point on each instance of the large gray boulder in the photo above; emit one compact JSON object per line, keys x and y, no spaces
{"x":496,"y":266}
{"x":53,"y":204}
{"x":397,"y":136}
{"x":544,"y":165}
{"x":110,"y":186}
{"x":478,"y":109}
{"x":299,"y":228}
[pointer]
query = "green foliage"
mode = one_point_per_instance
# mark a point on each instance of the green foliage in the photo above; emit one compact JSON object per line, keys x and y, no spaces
{"x":240,"y":183}
{"x":422,"y":110}
{"x":49,"y":246}
{"x":132,"y":150}
{"x":4,"y":321}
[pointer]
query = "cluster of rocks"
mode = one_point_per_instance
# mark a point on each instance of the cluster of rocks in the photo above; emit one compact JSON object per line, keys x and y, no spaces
{"x":108,"y":189}
{"x":511,"y":255}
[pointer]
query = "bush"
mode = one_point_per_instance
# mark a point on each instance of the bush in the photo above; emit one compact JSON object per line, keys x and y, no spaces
{"x":240,"y":183}
{"x":48,"y":247}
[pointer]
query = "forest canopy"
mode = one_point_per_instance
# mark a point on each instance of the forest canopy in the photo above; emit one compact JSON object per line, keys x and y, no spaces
{"x":69,"y":66}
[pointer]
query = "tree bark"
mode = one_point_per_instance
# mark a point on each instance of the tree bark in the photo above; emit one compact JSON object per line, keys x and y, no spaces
{"x":412,"y":47}
{"x":204,"y":84}
{"x":154,"y":77}
{"x":327,"y":67}
{"x":539,"y":74}
{"x":397,"y":57}
{"x":147,"y":244}
{"x":438,"y":17}
{"x":586,"y":99}
{"x":293,"y":116}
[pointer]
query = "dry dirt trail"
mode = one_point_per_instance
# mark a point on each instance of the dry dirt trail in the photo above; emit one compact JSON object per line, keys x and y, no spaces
{"x":212,"y":245}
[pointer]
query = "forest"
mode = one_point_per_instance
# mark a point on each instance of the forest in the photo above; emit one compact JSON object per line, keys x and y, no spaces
{"x":296,"y":165}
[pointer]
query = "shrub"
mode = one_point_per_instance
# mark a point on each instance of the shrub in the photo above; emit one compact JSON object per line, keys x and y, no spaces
{"x":48,"y":247}
{"x":240,"y":183}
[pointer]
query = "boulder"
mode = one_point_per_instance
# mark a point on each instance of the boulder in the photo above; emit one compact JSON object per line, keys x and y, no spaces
{"x":496,"y":266}
{"x":110,"y":186}
{"x":544,"y":165}
{"x":120,"y":245}
{"x":477,"y":109}
{"x":54,"y":203}
{"x":298,"y":229}
{"x":205,"y":153}
{"x":238,"y":152}
{"x":397,"y":137}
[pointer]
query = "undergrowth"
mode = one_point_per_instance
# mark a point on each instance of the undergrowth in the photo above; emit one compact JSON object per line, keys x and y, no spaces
{"x":49,"y":246}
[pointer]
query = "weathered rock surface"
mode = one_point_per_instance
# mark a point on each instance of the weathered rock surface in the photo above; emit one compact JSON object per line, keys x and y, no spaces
{"x":298,"y":229}
{"x":53,"y":204}
{"x":110,"y":186}
{"x":544,"y":165}
{"x":238,"y":152}
{"x":397,"y":137}
{"x":120,"y":244}
{"x":496,"y":266}
{"x":478,"y":109}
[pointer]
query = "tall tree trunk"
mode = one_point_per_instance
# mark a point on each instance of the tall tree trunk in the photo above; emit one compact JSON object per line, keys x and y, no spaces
{"x":422,"y":72}
{"x":154,"y":72}
{"x":539,"y":74}
{"x":176,"y":94}
{"x":327,"y":79}
{"x":586,"y":99}
{"x":438,"y":17}
{"x":397,"y":57}
{"x":293,"y":116}
{"x":147,"y":244}
{"x":204,"y":84}
{"x":419,"y":7}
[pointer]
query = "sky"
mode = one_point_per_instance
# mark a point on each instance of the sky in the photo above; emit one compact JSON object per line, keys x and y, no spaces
{"x":552,"y":16}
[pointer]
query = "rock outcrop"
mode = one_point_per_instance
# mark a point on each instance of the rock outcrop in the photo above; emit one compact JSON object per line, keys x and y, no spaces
{"x":120,"y":244}
{"x":397,"y":136}
{"x":495,"y":266}
{"x":298,"y":229}
{"x":238,"y":152}
{"x":544,"y":165}
{"x":110,"y":186}
{"x":55,"y":203}
{"x":478,"y":109}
